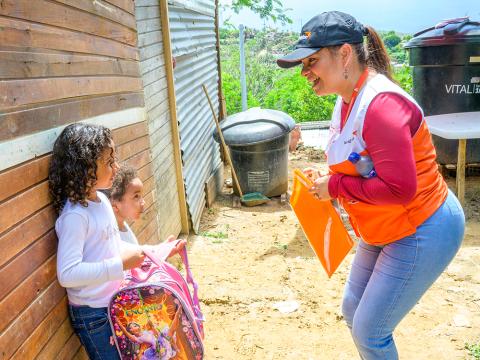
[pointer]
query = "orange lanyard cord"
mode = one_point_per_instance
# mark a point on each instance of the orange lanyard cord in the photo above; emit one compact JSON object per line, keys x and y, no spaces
{"x":355,"y":92}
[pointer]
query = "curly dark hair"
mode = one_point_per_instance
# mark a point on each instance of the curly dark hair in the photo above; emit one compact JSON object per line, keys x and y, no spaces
{"x":124,"y":176}
{"x":73,"y":167}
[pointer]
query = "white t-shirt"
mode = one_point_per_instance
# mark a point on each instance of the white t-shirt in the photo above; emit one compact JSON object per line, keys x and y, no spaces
{"x":88,"y":259}
{"x":128,"y":236}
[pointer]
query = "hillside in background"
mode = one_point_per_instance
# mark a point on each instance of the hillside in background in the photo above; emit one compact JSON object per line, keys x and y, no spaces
{"x":270,"y":87}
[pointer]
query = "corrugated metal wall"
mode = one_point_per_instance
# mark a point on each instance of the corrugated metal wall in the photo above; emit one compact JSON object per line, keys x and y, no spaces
{"x":192,"y":27}
{"x":152,"y":66}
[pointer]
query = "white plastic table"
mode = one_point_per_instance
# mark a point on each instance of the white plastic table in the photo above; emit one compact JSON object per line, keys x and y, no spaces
{"x":459,"y":126}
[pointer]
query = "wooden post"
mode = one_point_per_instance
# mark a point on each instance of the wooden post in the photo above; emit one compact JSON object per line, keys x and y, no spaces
{"x":462,"y":149}
{"x":167,"y":49}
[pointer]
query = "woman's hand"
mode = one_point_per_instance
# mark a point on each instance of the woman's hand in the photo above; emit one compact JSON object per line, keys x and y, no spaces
{"x":311,"y":173}
{"x":320,"y":188}
{"x":314,"y":173}
{"x":132,"y":257}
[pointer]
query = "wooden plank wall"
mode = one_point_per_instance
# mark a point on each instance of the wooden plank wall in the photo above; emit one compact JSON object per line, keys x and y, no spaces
{"x":51,"y":52}
{"x":61,"y":61}
{"x":152,"y":66}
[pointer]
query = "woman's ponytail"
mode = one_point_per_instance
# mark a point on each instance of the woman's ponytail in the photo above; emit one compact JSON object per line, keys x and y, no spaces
{"x":376,"y":55}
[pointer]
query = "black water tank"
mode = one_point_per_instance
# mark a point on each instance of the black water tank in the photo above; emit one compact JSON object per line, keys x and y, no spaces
{"x":446,"y":77}
{"x":258,"y":142}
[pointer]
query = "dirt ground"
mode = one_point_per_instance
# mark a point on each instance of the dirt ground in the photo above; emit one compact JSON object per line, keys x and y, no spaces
{"x":251,"y":261}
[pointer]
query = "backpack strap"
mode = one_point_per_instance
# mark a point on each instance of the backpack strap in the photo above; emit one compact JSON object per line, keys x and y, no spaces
{"x":190,"y":280}
{"x":140,"y":276}
{"x":159,"y":254}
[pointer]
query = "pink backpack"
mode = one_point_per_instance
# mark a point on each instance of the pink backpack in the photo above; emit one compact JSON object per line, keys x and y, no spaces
{"x":153,"y":316}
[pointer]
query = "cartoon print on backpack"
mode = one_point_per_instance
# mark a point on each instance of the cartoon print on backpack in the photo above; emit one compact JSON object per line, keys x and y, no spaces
{"x":163,"y":342}
{"x":149,"y":324}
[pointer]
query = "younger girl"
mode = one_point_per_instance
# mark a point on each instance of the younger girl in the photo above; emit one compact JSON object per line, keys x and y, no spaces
{"x":126,"y":196}
{"x":91,"y":257}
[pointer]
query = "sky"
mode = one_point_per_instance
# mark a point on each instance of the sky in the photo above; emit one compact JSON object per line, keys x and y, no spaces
{"x":405,"y":16}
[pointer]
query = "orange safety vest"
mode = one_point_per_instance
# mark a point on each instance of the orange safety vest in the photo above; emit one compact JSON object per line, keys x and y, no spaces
{"x":383,"y":224}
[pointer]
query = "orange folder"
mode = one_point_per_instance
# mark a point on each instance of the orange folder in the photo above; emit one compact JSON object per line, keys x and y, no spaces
{"x":321,"y":224}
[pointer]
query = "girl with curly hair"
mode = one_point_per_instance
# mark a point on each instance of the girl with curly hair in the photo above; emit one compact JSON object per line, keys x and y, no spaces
{"x":91,"y":258}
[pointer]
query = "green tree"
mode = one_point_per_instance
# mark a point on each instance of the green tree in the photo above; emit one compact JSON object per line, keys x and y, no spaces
{"x":232,"y":91}
{"x":391,"y":39}
{"x":293,"y":94}
{"x":395,"y":46}
{"x":403,"y":76}
{"x":266,"y":9}
{"x":261,"y":68}
{"x":285,"y":90}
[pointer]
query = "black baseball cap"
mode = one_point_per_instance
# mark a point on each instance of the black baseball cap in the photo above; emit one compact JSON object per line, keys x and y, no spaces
{"x":327,"y":29}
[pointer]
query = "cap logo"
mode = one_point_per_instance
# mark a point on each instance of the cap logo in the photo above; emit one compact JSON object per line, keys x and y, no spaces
{"x":306,"y":36}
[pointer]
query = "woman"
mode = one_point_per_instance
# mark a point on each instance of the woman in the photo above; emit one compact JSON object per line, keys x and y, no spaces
{"x":410,"y":224}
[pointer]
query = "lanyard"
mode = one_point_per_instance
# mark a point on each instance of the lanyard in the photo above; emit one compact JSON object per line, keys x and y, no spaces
{"x":356,"y":89}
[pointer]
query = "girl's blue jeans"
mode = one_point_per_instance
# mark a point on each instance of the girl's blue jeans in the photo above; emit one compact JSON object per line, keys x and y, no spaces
{"x":385,"y":282}
{"x":93,"y":328}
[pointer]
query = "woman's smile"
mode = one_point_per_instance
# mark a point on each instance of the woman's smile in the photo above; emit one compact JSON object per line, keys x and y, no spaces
{"x":317,"y":84}
{"x":314,"y":80}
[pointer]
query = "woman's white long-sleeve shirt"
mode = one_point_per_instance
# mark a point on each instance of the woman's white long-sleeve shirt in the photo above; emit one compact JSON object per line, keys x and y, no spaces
{"x":88,"y":260}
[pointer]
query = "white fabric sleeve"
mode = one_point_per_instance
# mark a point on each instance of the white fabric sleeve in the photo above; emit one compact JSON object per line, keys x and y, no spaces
{"x":128,"y":246}
{"x":72,"y":271}
{"x":131,"y":238}
{"x":131,"y":235}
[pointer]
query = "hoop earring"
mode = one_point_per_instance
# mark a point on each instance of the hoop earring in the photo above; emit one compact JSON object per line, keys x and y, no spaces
{"x":345,"y":73}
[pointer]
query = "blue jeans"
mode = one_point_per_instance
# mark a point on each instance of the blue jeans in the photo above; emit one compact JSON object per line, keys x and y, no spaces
{"x":93,"y":328}
{"x":386,"y":282}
